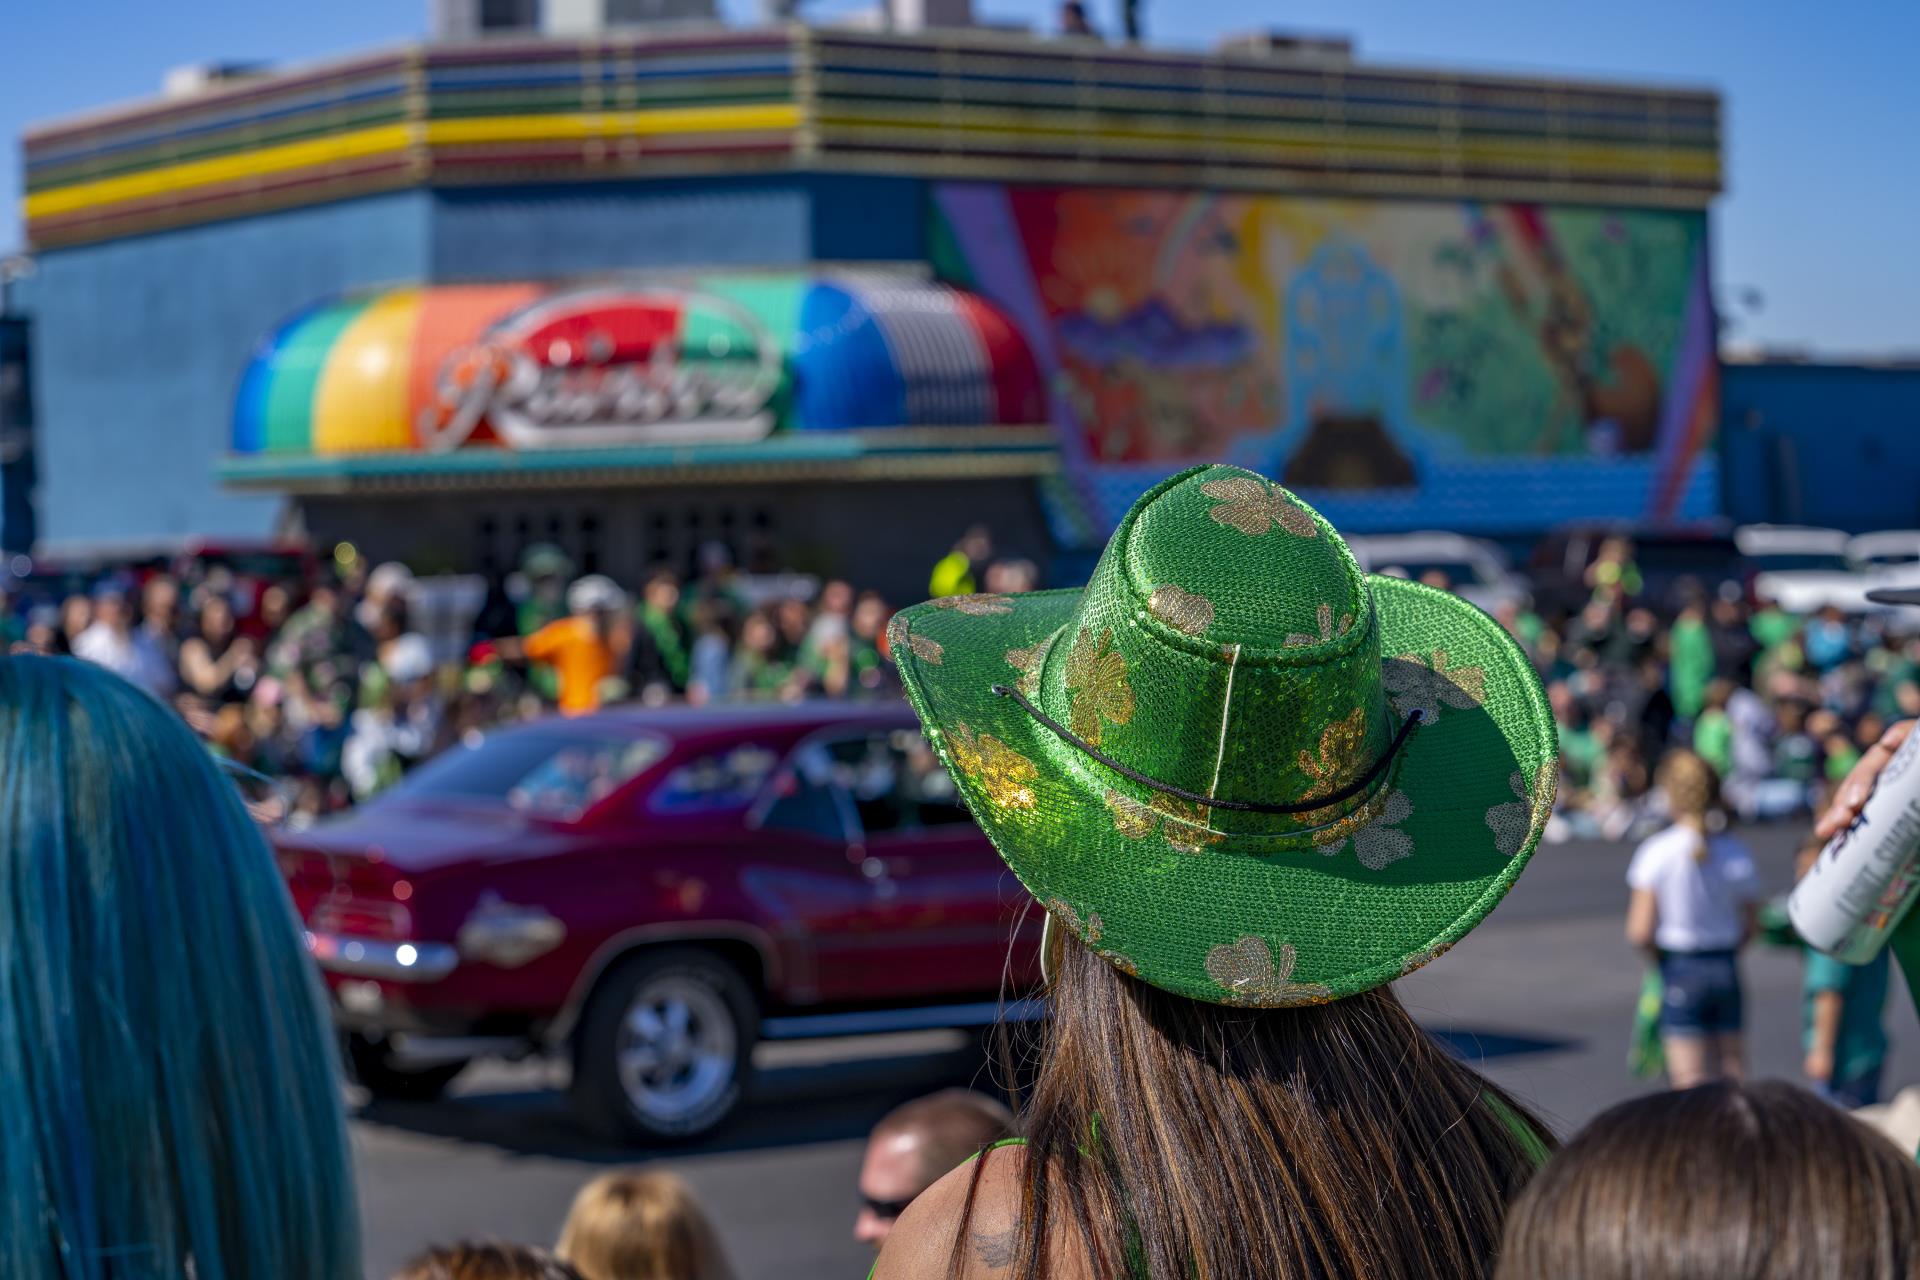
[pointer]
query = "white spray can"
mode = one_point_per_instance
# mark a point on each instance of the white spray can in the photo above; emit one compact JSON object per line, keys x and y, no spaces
{"x":1867,"y":877}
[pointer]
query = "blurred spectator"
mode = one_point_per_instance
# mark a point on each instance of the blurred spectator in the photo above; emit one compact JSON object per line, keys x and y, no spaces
{"x":1828,"y":641}
{"x":1844,"y":1018}
{"x":160,"y":617}
{"x":1011,"y":577}
{"x":708,"y":678}
{"x":1691,"y":660}
{"x":579,"y":648}
{"x":1695,"y":895}
{"x":126,"y":650}
{"x":641,"y":1226}
{"x":661,"y":642}
{"x":757,"y":669}
{"x":76,"y":615}
{"x":959,"y":572}
{"x":397,"y":723}
{"x":218,"y":665}
{"x":486,"y":1262}
{"x":914,"y":1146}
{"x":386,"y":586}
{"x":869,"y":639}
{"x":1613,"y":571}
{"x":43,"y":631}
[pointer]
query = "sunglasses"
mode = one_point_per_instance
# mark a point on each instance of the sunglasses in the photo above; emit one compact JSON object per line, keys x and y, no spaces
{"x":885,"y":1210}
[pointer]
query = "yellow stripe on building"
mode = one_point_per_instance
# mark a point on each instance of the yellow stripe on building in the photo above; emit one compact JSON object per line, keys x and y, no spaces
{"x":396,"y":138}
{"x":738,"y":118}
{"x":310,"y":153}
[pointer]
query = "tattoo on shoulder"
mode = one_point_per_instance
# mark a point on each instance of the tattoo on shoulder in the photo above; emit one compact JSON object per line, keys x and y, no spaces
{"x":994,"y":1249}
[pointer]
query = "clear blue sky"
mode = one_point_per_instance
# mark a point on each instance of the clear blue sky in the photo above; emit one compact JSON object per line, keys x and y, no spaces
{"x":1822,"y":106}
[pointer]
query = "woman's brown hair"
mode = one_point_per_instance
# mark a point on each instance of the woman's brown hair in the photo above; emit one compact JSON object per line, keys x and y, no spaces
{"x":1174,"y":1140}
{"x":1761,"y":1181}
{"x":641,"y":1226}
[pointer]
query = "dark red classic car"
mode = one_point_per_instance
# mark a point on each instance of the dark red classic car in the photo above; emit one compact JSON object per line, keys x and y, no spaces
{"x":652,"y":891}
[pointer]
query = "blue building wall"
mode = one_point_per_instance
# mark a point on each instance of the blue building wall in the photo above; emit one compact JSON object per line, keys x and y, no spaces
{"x":139,"y":343}
{"x":1833,"y":445}
{"x":533,"y":233}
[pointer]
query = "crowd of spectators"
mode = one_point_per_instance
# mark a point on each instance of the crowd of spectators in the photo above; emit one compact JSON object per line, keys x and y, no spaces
{"x":1780,"y":705}
{"x":333,"y":680}
{"x":329,"y":680}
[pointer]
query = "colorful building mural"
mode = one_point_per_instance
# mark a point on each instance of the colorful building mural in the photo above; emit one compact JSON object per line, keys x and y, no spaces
{"x":1471,"y":366}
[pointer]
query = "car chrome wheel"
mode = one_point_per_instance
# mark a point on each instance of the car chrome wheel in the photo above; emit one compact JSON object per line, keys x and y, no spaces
{"x":676,"y":1049}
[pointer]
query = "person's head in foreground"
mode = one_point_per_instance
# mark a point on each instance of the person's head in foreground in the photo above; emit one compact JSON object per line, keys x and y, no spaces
{"x":168,"y":1102}
{"x":1727,"y":1181}
{"x":640,"y":1226}
{"x":472,"y":1261}
{"x":914,"y":1145}
{"x":1251,"y":786}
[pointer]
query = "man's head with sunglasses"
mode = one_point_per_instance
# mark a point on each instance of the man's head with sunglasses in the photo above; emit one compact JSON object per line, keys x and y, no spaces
{"x":914,"y":1146}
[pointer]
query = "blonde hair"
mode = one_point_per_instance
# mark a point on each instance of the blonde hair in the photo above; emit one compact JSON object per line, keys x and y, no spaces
{"x":641,"y":1226}
{"x":1693,"y":791}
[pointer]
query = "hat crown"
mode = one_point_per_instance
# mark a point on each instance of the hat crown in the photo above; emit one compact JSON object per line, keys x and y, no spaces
{"x":1227,"y":556}
{"x":1224,"y":647}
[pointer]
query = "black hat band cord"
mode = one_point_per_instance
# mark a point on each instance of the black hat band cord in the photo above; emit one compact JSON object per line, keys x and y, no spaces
{"x":1316,"y":805}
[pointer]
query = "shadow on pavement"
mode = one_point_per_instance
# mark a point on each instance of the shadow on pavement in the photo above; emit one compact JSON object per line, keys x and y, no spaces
{"x":789,"y":1104}
{"x":1475,"y":1047}
{"x":822,"y":1097}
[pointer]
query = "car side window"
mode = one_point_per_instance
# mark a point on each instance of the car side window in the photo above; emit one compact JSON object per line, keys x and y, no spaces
{"x":895,"y":781}
{"x":806,"y":797}
{"x":724,"y":781}
{"x":926,"y":784}
{"x":869,"y":768}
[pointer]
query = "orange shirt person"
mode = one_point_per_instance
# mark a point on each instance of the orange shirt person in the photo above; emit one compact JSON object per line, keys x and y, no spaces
{"x":578,"y":647}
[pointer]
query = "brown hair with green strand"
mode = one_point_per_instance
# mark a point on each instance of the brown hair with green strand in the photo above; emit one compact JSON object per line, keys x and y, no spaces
{"x":1175,"y":1138}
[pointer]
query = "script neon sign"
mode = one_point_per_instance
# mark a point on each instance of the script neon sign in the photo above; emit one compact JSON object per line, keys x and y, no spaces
{"x":609,"y":366}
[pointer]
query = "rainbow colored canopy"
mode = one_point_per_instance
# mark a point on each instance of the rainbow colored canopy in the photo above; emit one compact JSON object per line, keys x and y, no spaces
{"x":390,"y":371}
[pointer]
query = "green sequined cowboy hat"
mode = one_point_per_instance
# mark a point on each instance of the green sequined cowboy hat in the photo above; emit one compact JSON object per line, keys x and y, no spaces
{"x":1233,"y":764}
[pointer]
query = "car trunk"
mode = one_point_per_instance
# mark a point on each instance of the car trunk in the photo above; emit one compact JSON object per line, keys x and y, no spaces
{"x":355,"y":874}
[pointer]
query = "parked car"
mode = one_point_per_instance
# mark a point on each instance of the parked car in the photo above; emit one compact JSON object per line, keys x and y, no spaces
{"x":1802,"y":569}
{"x":650,"y":892}
{"x":1475,"y":570}
{"x":1884,"y":550}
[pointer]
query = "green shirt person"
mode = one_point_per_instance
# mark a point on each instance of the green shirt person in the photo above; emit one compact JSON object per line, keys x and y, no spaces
{"x":1691,"y":664}
{"x":1846,"y":1035}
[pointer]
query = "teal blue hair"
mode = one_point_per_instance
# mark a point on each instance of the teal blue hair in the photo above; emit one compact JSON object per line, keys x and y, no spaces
{"x":169,"y":1094}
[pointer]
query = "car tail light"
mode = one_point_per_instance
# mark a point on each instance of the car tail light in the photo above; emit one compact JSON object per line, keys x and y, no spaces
{"x":360,"y":918}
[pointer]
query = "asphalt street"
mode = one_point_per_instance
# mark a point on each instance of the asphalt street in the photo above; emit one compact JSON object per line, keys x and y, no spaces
{"x":1541,"y":995}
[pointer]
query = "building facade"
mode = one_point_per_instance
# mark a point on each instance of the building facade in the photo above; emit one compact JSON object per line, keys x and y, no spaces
{"x":1419,"y":298}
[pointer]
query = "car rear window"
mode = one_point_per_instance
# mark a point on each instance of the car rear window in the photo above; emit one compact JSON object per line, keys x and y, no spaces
{"x":551,"y":775}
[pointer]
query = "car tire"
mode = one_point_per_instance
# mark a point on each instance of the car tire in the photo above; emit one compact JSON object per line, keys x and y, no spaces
{"x":374,"y":1067}
{"x":664,"y":1047}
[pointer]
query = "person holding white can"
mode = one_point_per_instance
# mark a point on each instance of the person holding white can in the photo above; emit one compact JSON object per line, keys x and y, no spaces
{"x":1693,"y":906}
